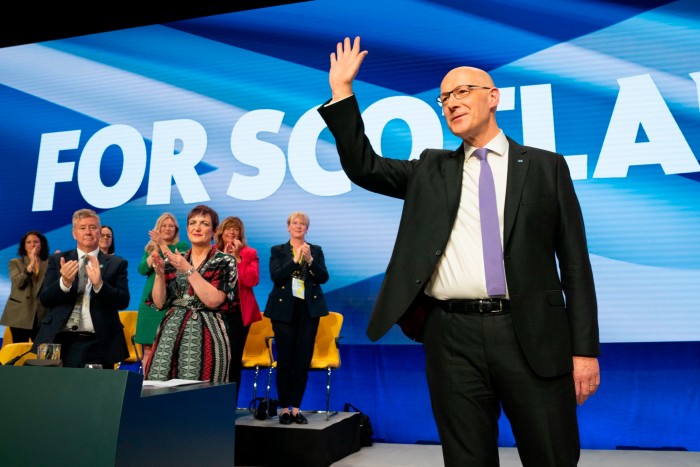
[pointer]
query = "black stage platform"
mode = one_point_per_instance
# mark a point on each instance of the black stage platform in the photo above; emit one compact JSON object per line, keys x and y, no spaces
{"x":320,"y":443}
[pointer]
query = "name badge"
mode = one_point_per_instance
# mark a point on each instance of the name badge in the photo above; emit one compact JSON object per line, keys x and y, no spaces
{"x":298,"y":287}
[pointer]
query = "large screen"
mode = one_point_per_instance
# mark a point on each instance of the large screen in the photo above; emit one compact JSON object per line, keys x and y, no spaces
{"x":222,"y":110}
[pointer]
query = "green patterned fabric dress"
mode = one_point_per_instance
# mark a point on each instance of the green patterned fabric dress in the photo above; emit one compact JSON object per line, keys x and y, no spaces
{"x":191,"y":341}
{"x":149,"y":318}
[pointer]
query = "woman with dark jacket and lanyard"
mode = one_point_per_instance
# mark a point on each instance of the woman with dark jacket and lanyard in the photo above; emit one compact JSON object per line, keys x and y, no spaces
{"x":295,"y":306}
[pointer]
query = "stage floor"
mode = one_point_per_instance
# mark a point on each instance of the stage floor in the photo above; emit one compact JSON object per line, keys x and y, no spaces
{"x":415,"y":455}
{"x":422,"y":455}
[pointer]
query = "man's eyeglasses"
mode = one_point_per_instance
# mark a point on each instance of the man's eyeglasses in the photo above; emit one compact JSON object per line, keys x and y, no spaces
{"x":460,"y":92}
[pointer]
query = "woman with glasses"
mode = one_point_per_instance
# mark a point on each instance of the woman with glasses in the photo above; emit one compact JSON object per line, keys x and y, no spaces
{"x":107,"y":240}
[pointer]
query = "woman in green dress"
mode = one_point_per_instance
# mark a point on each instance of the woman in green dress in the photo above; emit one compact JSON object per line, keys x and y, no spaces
{"x":164,"y":236}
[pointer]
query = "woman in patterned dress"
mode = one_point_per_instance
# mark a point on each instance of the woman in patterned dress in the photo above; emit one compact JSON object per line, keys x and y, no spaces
{"x":196,"y":288}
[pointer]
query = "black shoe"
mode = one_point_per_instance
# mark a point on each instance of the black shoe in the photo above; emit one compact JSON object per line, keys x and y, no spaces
{"x":300,"y":419}
{"x":286,"y":418}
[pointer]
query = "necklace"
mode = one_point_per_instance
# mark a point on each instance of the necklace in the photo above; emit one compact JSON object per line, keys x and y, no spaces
{"x":301,"y":272}
{"x":301,"y":258}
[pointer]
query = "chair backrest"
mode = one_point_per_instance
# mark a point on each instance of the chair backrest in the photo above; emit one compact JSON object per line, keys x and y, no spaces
{"x":7,"y":337}
{"x":12,"y":350}
{"x":128,"y":319}
{"x":326,"y":348}
{"x":257,"y":350}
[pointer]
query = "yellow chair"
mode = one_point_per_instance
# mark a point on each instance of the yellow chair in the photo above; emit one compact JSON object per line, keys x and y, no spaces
{"x":257,"y":352}
{"x":327,"y":351}
{"x":12,"y":350}
{"x":128,"y":319}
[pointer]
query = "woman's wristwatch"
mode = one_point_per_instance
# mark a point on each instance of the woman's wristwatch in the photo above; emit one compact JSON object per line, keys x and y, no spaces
{"x":189,"y":272}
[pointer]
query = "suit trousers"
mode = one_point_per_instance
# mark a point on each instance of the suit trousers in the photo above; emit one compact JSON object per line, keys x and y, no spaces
{"x":80,"y":349}
{"x":294,"y":342}
{"x":237,"y":335}
{"x":474,"y":367}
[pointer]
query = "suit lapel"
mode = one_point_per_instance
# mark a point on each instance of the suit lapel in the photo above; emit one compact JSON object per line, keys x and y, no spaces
{"x":72,"y":255}
{"x":452,"y":171}
{"x":39,"y":278}
{"x":102,"y":259}
{"x":518,"y":163}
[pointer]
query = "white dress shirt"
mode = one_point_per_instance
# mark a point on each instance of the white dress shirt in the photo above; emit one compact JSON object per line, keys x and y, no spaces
{"x":459,"y":273}
{"x":85,"y":317}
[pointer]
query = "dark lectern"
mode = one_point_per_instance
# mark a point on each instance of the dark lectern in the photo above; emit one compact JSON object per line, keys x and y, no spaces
{"x":85,"y":417}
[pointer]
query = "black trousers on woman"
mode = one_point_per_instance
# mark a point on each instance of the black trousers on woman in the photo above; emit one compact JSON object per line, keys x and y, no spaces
{"x":23,"y":335}
{"x":294,"y":342}
{"x":237,"y":335}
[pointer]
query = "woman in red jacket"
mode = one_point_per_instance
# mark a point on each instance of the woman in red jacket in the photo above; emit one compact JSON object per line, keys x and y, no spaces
{"x":230,"y":238}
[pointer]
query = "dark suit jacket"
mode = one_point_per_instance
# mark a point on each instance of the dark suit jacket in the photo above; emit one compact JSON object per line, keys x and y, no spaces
{"x":554,"y":313}
{"x":23,"y":303}
{"x":280,"y":302}
{"x":104,"y":306}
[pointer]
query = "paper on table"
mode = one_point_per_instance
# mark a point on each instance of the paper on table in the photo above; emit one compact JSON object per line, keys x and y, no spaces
{"x":169,"y":383}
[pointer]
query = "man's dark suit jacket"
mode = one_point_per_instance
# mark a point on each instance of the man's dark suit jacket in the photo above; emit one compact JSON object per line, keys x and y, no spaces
{"x":104,"y":306}
{"x":555,"y":316}
{"x":280,"y":302}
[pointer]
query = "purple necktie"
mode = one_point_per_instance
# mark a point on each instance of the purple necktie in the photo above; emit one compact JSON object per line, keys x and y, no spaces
{"x":490,"y":230}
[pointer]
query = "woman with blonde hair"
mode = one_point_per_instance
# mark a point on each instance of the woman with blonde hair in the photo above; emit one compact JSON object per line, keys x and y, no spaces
{"x":295,"y":306}
{"x":165,"y":236}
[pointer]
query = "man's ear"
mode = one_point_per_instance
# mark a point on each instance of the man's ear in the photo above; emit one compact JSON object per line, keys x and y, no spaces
{"x":495,"y":95}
